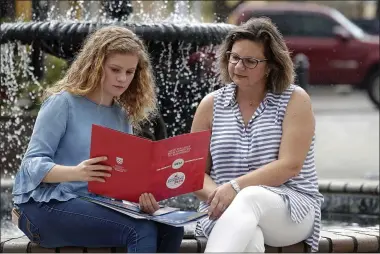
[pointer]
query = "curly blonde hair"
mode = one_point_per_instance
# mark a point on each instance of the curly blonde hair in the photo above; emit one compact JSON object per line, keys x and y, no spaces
{"x":86,"y":72}
{"x":261,"y":30}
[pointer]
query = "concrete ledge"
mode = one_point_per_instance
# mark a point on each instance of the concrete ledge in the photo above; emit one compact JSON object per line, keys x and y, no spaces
{"x":368,"y":187}
{"x":348,"y":240}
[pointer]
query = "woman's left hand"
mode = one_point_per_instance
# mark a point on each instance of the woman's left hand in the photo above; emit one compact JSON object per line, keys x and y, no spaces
{"x":148,"y":203}
{"x":219,"y":200}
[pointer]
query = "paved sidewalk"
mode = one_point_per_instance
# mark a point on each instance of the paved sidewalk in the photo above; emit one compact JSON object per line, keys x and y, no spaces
{"x":347,"y":134}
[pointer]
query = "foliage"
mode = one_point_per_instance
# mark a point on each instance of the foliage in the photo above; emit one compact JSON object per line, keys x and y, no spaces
{"x":54,"y":69}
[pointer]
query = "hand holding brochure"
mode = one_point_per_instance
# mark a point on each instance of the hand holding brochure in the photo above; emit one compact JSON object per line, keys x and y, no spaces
{"x":165,"y":168}
{"x":166,"y":215}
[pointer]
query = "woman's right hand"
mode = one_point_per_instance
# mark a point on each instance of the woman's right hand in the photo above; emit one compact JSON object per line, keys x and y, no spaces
{"x":148,"y":203}
{"x":90,"y":170}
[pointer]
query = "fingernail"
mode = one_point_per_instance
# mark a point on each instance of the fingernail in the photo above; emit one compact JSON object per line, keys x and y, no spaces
{"x":105,"y":158}
{"x":109,"y":175}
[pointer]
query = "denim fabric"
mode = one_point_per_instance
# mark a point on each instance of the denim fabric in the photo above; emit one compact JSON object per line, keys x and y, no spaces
{"x":80,"y":223}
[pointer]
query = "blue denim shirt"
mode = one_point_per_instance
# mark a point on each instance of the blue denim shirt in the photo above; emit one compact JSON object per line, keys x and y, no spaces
{"x":62,"y":135}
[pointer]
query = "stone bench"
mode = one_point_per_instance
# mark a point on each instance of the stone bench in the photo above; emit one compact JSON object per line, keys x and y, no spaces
{"x":341,"y":197}
{"x":361,"y":197}
{"x":348,"y":240}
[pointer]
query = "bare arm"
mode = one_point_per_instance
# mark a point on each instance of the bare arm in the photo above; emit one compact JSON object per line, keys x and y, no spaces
{"x":298,"y":130}
{"x":208,"y":186}
{"x":88,"y":170}
{"x":38,"y":162}
{"x":58,"y":174}
{"x":203,"y":121}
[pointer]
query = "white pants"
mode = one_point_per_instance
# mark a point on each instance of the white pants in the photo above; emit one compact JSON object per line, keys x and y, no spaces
{"x":257,"y":216}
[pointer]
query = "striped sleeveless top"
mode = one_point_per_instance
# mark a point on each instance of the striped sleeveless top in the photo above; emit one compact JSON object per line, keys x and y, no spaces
{"x":236,"y":150}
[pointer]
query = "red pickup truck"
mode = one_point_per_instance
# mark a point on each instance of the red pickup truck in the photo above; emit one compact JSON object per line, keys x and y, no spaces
{"x":339,"y":52}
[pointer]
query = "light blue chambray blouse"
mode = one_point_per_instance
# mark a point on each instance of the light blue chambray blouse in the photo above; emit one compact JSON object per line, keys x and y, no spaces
{"x":62,"y":135}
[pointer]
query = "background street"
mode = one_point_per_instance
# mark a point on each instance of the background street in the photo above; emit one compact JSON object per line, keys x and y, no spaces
{"x":347,"y":134}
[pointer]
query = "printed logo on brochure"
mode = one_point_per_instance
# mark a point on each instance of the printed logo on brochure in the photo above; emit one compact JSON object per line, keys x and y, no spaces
{"x":119,"y":160}
{"x":119,"y":167}
{"x":175,"y":180}
{"x":178,"y":163}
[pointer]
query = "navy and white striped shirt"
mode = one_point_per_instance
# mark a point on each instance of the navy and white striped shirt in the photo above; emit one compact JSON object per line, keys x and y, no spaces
{"x":237,"y":149}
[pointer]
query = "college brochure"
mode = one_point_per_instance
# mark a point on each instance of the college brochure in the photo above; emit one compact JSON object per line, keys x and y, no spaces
{"x":165,"y":168}
{"x":167,"y":215}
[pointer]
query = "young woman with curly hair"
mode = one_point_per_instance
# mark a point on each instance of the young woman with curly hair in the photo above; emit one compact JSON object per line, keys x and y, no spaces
{"x":110,"y":83}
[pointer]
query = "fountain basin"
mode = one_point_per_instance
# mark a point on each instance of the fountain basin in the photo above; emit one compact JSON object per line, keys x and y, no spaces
{"x":63,"y":39}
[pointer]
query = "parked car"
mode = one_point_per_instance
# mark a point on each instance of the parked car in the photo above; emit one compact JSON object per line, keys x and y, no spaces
{"x":370,"y":26}
{"x":339,"y":51}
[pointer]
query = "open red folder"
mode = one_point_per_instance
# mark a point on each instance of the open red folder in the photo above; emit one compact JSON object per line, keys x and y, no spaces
{"x":165,"y":168}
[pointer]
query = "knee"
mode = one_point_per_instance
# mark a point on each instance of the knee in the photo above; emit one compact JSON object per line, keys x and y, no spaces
{"x":146,"y":230}
{"x":143,"y":237}
{"x":250,"y":193}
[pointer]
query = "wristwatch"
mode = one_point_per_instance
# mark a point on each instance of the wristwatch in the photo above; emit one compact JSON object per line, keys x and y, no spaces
{"x":235,"y":186}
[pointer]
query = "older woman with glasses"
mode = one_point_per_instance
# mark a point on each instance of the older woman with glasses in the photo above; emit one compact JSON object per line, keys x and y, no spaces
{"x":260,"y":185}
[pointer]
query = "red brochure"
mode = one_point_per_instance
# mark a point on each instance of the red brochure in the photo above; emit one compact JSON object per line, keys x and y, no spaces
{"x":165,"y":168}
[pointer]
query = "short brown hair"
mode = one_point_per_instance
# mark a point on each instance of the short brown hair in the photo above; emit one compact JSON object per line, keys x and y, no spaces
{"x":261,"y":30}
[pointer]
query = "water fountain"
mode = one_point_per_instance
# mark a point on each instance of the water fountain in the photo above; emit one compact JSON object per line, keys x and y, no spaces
{"x":184,"y":74}
{"x":182,"y":51}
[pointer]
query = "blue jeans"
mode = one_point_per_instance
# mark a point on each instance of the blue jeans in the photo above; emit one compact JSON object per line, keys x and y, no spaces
{"x":81,"y":223}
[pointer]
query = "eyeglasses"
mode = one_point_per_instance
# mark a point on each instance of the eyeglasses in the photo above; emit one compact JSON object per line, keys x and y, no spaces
{"x":248,"y":62}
